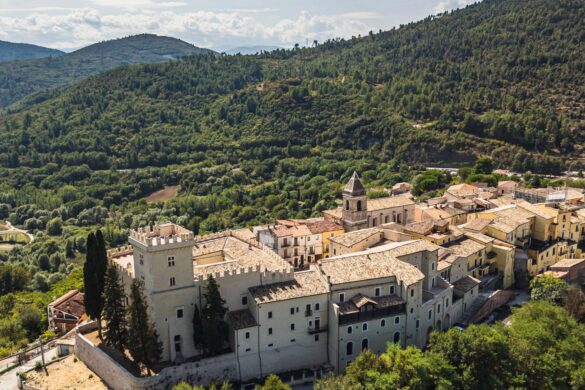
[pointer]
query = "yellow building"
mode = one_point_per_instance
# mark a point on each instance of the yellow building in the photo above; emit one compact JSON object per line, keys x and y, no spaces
{"x":327,"y":229}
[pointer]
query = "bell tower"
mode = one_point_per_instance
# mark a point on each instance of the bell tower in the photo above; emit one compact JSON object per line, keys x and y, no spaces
{"x":355,"y":205}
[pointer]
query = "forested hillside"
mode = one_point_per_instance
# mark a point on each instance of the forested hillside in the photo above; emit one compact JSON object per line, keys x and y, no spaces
{"x":10,"y":51}
{"x":249,"y":139}
{"x":42,"y":75}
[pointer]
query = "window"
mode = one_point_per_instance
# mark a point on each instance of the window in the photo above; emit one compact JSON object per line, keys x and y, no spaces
{"x":269,"y":330}
{"x":271,"y":345}
{"x":316,"y":306}
{"x":349,"y":330}
{"x":447,"y":302}
{"x":180,"y":312}
{"x":247,"y":335}
{"x":430,"y":314}
{"x":316,"y":337}
{"x":417,"y":324}
{"x":439,"y":308}
{"x":433,"y":266}
{"x":248,"y":349}
{"x":292,"y":326}
{"x":364,"y":344}
{"x":397,"y":320}
{"x":141,"y":259}
{"x":412,"y":292}
{"x":269,"y":314}
{"x":171,"y":261}
{"x":177,"y":339}
{"x":244,"y":300}
{"x":377,"y":291}
{"x":391,"y":289}
{"x":341,"y":297}
{"x":396,"y":337}
{"x":172,"y":281}
{"x":383,"y":323}
{"x":293,"y":340}
{"x":411,"y":310}
{"x":292,"y":311}
{"x":349,"y":349}
{"x":359,"y":205}
{"x":365,"y":326}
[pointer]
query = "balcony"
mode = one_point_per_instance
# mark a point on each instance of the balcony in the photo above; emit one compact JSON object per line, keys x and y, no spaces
{"x":351,"y":318}
{"x":308,"y":313}
{"x":320,"y":329}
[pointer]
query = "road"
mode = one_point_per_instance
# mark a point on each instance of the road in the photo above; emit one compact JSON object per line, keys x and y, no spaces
{"x":12,"y":229}
{"x":8,"y":380}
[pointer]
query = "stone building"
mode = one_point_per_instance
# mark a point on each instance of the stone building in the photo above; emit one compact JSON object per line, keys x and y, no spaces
{"x":359,"y":212}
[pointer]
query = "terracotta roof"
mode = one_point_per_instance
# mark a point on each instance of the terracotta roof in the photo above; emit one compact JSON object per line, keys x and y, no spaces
{"x":536,"y":210}
{"x":335,"y":213}
{"x":479,"y":237}
{"x":304,"y":284}
{"x":241,"y":319}
{"x":351,"y":238}
{"x":442,"y":212}
{"x":324,"y":226}
{"x":64,"y":297}
{"x":406,"y":248}
{"x":425,"y":227}
{"x":290,"y":230}
{"x":389,"y":202}
{"x":466,"y":283}
{"x":354,"y":187}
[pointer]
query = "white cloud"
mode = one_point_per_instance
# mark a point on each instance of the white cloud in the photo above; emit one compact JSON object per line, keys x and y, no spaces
{"x":447,"y":5}
{"x":80,"y":27}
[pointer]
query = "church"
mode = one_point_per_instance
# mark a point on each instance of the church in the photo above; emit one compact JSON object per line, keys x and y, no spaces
{"x":358,"y":212}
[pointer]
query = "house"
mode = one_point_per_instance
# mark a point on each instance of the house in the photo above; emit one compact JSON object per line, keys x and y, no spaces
{"x":400,"y":188}
{"x":571,"y":270}
{"x":293,"y":241}
{"x":355,"y":241}
{"x":65,"y":312}
{"x":507,"y":187}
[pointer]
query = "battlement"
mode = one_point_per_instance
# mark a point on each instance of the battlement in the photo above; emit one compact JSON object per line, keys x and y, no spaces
{"x":266,"y":275}
{"x":120,"y":251}
{"x":164,"y":234}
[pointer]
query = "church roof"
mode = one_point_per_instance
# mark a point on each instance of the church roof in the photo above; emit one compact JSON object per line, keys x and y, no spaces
{"x":354,"y":187}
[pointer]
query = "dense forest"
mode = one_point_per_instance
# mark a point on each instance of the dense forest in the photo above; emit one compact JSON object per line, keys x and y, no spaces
{"x":42,"y":76}
{"x":248,"y":139}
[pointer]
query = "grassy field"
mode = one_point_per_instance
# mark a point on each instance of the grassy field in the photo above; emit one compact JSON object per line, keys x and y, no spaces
{"x":163,"y":195}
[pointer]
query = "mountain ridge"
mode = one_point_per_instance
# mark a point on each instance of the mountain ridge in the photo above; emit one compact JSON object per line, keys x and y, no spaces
{"x":38,"y":76}
{"x":15,"y":51}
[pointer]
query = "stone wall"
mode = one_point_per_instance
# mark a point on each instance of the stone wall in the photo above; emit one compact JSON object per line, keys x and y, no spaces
{"x":118,"y":378}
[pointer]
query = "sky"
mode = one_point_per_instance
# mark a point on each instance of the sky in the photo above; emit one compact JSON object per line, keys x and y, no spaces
{"x":214,"y":24}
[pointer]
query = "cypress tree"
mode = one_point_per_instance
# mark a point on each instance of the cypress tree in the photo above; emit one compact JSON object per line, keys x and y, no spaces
{"x":92,"y":297}
{"x":114,"y":313}
{"x":198,"y":335}
{"x":214,"y":327}
{"x":143,"y":343}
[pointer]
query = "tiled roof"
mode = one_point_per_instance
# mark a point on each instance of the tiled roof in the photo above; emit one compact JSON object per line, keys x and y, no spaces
{"x":567,"y":263}
{"x":351,"y":238}
{"x":290,"y":230}
{"x":324,"y":226}
{"x":389,"y":202}
{"x":304,"y":284}
{"x":370,"y":264}
{"x":466,"y":283}
{"x":477,"y":224}
{"x":464,"y":247}
{"x":536,"y":210}
{"x":425,"y":227}
{"x":237,"y":254}
{"x":241,"y":319}
{"x":350,"y":307}
{"x":405,"y":248}
{"x":479,"y":237}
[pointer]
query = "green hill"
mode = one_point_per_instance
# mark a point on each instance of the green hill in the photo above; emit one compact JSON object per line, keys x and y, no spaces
{"x":39,"y":76}
{"x":500,"y":78}
{"x":10,"y":51}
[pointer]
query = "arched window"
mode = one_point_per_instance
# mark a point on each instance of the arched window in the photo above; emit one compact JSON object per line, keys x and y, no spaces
{"x":347,"y":204}
{"x":359,"y":205}
{"x":364,"y":344}
{"x":396,"y":337}
{"x":349,"y":330}
{"x":349,"y":349}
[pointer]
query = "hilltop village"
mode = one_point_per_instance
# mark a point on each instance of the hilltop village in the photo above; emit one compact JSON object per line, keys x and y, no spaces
{"x":309,"y":295}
